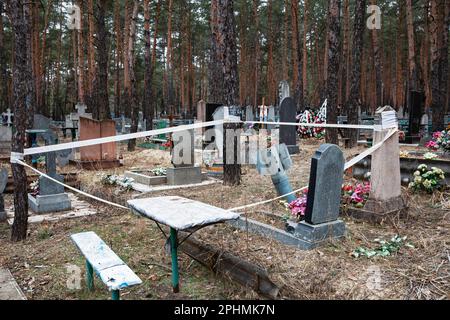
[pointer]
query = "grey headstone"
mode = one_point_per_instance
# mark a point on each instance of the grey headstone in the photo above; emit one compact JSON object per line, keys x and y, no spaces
{"x":183,"y":150}
{"x":271,"y":117}
{"x":283,"y":90}
{"x":64,"y":157}
{"x":41,"y":122}
{"x":3,"y":179}
{"x":46,"y":186}
{"x":288,"y":134}
{"x":249,"y":116}
{"x":325,"y":184}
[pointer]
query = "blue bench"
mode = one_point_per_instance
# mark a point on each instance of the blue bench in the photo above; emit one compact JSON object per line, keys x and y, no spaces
{"x":106,"y":264}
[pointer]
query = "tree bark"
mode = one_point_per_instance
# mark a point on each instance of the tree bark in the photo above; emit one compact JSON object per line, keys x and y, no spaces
{"x":298,"y":66}
{"x":118,"y":58}
{"x":81,"y":69}
{"x":333,"y":68}
{"x":3,"y":70}
{"x":227,"y":50}
{"x":215,"y":72}
{"x":378,"y":65}
{"x":438,"y":27}
{"x":354,"y":102}
{"x":100,"y":85}
{"x":132,"y":94}
{"x":148,"y":94}
{"x":271,"y":85}
{"x":412,"y":66}
{"x":22,"y":82}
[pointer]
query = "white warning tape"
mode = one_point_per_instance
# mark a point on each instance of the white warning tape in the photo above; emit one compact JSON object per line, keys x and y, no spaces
{"x":18,"y":160}
{"x":137,"y":135}
{"x":16,"y":156}
{"x":124,"y":137}
{"x":348,"y":165}
{"x":72,"y":188}
{"x":316,"y":125}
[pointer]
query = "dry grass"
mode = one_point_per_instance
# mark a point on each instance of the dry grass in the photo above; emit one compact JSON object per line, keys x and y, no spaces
{"x":329,"y":272}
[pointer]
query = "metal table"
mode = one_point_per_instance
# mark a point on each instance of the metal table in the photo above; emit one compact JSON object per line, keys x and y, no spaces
{"x":180,"y":214}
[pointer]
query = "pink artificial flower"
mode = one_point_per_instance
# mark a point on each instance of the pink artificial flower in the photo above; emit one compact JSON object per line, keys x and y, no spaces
{"x":431,"y":145}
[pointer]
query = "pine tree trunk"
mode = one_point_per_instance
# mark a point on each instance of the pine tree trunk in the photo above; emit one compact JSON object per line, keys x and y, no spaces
{"x":295,"y":52}
{"x":215,"y":74}
{"x":148,"y":94}
{"x":118,"y":58}
{"x":100,"y":86}
{"x":305,"y":52}
{"x":3,"y":72}
{"x":439,"y":60}
{"x":298,"y":65}
{"x":378,"y":65}
{"x":22,"y":82}
{"x":333,"y":68}
{"x":271,"y":86}
{"x":227,"y":50}
{"x":354,"y":102}
{"x":91,"y":53}
{"x":412,"y":67}
{"x":132,"y":76}
{"x":81,"y":69}
{"x":170,"y":98}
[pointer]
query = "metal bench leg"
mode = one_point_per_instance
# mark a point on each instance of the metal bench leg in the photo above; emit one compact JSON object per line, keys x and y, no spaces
{"x":89,"y":276}
{"x":115,"y":295}
{"x":173,"y":251}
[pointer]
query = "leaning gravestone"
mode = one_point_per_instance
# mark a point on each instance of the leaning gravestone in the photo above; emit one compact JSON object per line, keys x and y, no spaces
{"x":324,"y":195}
{"x":275,"y":162}
{"x":52,"y":197}
{"x":288,"y":134}
{"x":3,"y":182}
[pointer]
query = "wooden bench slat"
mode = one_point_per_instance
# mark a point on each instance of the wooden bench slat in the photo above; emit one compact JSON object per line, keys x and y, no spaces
{"x":119,"y":277}
{"x":95,"y":250}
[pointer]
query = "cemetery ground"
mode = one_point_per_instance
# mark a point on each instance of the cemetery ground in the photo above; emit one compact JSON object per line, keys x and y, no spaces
{"x":419,"y":270}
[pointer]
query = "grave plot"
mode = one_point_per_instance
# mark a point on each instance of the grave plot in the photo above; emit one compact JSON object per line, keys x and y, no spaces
{"x":183,"y":172}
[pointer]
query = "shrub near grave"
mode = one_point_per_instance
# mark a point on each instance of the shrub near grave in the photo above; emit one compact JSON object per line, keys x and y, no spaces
{"x":427,"y":180}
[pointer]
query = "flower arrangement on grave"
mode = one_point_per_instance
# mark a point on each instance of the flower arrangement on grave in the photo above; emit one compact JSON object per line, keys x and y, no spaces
{"x":427,"y":180}
{"x":311,"y":116}
{"x":297,"y":208}
{"x":124,"y":183}
{"x":168,"y":144}
{"x":34,"y":186}
{"x":355,"y":195}
{"x":159,"y":172}
{"x":440,"y":141}
{"x":404,"y":154}
{"x":430,"y":156}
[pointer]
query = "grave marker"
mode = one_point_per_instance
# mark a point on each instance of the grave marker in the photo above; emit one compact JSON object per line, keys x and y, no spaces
{"x":288,"y":134}
{"x":8,"y":117}
{"x":52,"y":197}
{"x":101,"y":155}
{"x":184,"y":170}
{"x":324,"y":194}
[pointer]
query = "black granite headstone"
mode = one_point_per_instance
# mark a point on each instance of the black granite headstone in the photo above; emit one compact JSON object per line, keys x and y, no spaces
{"x":325,"y":183}
{"x":288,"y":134}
